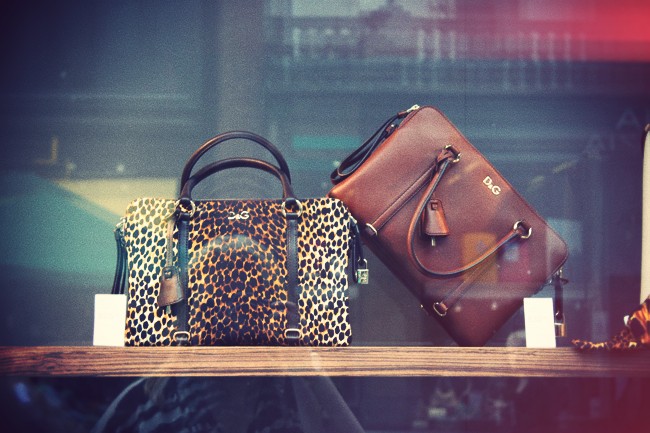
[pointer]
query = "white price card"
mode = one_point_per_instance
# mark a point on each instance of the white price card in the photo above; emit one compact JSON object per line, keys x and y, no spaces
{"x":539,"y":322}
{"x":110,"y":319}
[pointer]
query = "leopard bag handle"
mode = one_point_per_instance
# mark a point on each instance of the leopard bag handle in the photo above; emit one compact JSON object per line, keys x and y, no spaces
{"x":231,"y":135}
{"x":224,"y":164}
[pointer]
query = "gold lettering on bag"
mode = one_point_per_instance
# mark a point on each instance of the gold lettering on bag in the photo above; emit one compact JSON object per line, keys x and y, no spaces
{"x":496,"y":190}
{"x":243,"y":215}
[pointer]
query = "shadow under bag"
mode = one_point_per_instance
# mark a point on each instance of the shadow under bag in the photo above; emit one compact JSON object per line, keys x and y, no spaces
{"x":447,"y":223}
{"x":236,"y":272}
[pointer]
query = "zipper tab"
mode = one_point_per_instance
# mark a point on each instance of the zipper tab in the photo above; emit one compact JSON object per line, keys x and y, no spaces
{"x":403,"y":114}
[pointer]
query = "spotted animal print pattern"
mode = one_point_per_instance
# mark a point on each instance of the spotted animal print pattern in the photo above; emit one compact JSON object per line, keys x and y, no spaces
{"x":237,"y":273}
{"x":635,"y":334}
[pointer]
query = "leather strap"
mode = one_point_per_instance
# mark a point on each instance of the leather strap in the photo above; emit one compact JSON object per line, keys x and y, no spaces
{"x":121,"y":267}
{"x":359,"y":262}
{"x":558,"y":283}
{"x":181,"y":335}
{"x":363,"y":152}
{"x":292,"y":332}
{"x":224,"y":164}
{"x":215,"y":141}
{"x":448,"y":156}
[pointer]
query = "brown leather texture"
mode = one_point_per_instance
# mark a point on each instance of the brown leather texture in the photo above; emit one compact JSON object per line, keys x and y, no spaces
{"x":480,"y":209}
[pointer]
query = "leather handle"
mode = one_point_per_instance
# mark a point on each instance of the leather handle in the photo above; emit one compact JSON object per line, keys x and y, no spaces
{"x":231,"y":135}
{"x":353,"y":161}
{"x":225,"y":164}
{"x":447,"y":157}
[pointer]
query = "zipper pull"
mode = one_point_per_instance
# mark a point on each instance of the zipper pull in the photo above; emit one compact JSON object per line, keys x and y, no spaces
{"x":406,"y":112}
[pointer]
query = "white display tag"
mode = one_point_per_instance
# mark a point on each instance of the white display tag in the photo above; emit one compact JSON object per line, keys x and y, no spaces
{"x":110,"y":319}
{"x":539,"y":321}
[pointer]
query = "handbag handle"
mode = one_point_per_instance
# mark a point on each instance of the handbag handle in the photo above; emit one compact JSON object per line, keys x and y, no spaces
{"x":225,"y":164}
{"x":448,"y":156}
{"x":363,"y":152}
{"x":231,"y":135}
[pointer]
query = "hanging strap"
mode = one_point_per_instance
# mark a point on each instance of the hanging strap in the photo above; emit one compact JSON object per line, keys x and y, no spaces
{"x":558,"y":283}
{"x":121,"y":267}
{"x":181,"y":335}
{"x":449,"y":155}
{"x":520,"y":230}
{"x":359,"y":263}
{"x":292,"y":332}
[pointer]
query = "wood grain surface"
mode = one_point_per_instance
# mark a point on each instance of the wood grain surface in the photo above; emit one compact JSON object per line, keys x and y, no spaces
{"x":305,"y":361}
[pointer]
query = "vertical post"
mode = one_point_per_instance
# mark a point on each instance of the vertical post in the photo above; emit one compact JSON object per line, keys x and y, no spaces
{"x":645,"y":220}
{"x":239,"y":67}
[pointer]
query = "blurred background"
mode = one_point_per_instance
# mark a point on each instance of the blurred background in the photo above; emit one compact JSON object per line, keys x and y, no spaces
{"x":103,"y":102}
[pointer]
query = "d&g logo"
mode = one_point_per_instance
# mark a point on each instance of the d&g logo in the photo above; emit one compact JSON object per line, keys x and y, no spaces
{"x":243,"y":215}
{"x":496,"y":190}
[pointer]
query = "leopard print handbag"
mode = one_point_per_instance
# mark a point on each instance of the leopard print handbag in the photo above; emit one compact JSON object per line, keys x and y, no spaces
{"x":237,"y":272}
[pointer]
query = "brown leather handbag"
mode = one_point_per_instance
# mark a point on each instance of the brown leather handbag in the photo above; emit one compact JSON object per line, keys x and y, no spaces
{"x":447,"y":223}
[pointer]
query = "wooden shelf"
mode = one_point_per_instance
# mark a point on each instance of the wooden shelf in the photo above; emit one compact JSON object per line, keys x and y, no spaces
{"x":305,"y":361}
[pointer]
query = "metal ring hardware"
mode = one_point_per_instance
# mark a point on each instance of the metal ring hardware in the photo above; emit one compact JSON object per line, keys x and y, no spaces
{"x":454,"y":151}
{"x":520,"y":225}
{"x":292,"y":333}
{"x":374,"y":230}
{"x":185,"y":337}
{"x":284,"y":208}
{"x":179,"y":207}
{"x":440,"y":308}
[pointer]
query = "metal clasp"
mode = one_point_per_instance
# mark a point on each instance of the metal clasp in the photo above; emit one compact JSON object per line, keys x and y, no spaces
{"x":453,"y":150}
{"x":179,"y":207}
{"x":440,"y":308}
{"x":298,"y":211}
{"x":292,"y":333}
{"x":181,"y":337}
{"x":521,"y":225}
{"x":560,"y":329}
{"x":362,"y":274}
{"x":413,"y":108}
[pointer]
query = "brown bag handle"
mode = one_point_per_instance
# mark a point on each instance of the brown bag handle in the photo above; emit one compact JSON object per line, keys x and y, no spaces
{"x":448,"y":156}
{"x":224,"y":164}
{"x":231,"y":135}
